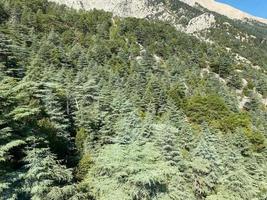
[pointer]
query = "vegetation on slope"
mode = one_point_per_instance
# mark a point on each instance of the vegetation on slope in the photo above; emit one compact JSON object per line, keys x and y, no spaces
{"x":97,"y":107}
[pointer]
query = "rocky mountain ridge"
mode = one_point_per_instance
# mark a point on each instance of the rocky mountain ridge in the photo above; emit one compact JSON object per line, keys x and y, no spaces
{"x":224,"y":9}
{"x":144,"y":8}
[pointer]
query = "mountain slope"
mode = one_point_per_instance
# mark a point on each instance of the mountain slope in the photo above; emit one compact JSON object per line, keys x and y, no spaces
{"x":225,"y":9}
{"x":118,"y":7}
{"x":99,"y":107}
{"x":143,"y":8}
{"x":193,"y":17}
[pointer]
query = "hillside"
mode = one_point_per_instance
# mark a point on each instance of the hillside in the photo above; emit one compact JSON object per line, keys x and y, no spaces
{"x":202,"y":18}
{"x":224,"y":9}
{"x":143,"y":8}
{"x":165,"y":102}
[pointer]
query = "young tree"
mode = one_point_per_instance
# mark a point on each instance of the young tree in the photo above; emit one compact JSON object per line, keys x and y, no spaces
{"x":43,"y":173}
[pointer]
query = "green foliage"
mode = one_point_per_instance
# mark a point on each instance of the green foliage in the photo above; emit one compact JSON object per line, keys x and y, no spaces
{"x":80,"y":138}
{"x":5,"y":150}
{"x":223,"y":66}
{"x":208,"y":108}
{"x":43,"y":172}
{"x":84,"y":166}
{"x":3,"y":13}
{"x":257,"y":139}
{"x":235,"y":81}
{"x":94,"y":106}
{"x":177,"y":94}
{"x":213,"y":110}
{"x":234,"y":121}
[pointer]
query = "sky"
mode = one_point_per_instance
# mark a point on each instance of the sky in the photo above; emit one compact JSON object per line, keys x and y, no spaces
{"x":254,"y":7}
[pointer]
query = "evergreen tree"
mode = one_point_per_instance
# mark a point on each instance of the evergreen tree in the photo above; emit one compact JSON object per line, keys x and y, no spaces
{"x":4,"y":14}
{"x":207,"y":164}
{"x":43,"y":173}
{"x":94,"y":106}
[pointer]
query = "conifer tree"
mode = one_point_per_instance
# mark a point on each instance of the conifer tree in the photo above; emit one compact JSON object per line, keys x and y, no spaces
{"x":43,"y":172}
{"x":4,"y":14}
{"x":207,"y":164}
{"x":100,"y":107}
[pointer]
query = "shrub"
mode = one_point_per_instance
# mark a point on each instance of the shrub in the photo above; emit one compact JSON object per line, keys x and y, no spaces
{"x":83,"y":166}
{"x":257,"y":140}
{"x":222,"y":66}
{"x":80,"y":138}
{"x":233,"y":121}
{"x":207,"y":108}
{"x":235,"y":81}
{"x":177,"y":94}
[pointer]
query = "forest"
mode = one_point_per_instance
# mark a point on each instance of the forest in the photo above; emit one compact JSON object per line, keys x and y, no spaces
{"x":97,"y":107}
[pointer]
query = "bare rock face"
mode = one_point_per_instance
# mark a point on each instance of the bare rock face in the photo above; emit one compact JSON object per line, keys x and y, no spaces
{"x":200,"y":23}
{"x":122,"y":8}
{"x":141,"y":9}
{"x":144,"y":9}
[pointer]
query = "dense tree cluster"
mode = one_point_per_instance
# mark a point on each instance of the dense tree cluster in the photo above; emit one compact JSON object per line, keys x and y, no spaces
{"x":98,"y":107}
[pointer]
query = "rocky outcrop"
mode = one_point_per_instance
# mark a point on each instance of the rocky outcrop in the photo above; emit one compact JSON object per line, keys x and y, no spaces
{"x":122,"y":8}
{"x":142,"y":9}
{"x":200,"y":23}
{"x":145,"y":9}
